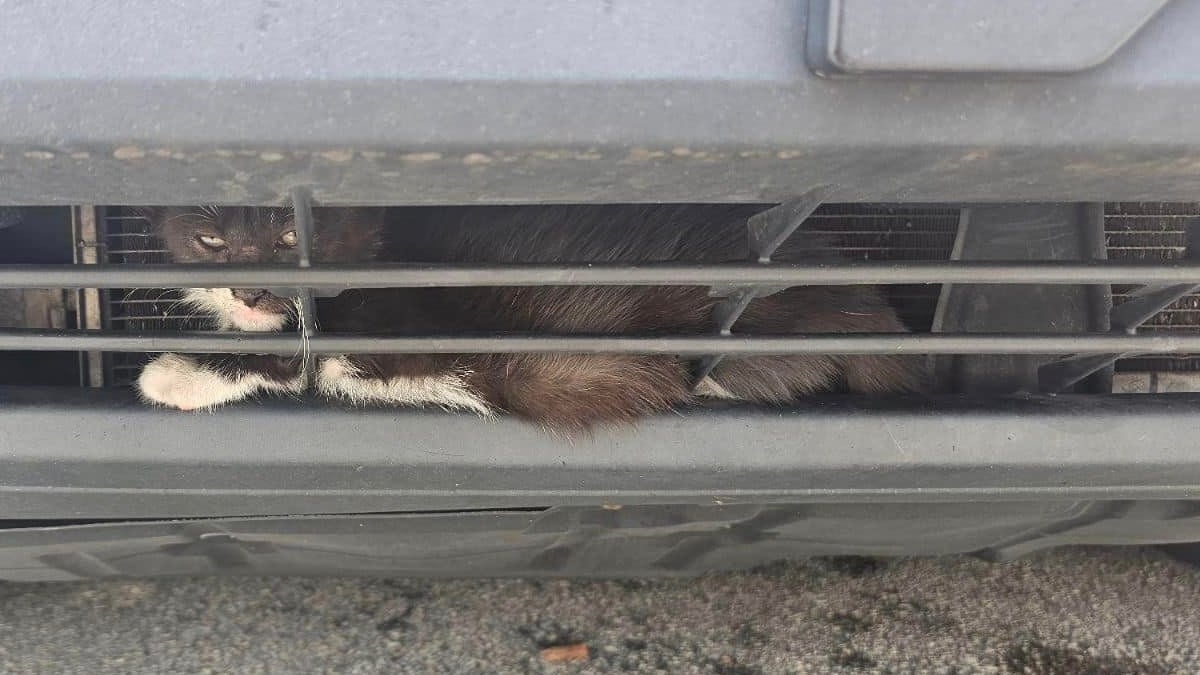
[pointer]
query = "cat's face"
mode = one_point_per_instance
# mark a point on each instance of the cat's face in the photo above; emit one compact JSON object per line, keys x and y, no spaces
{"x":248,"y":235}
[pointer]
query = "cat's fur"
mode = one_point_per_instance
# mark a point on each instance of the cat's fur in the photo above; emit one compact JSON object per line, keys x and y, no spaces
{"x":251,"y":235}
{"x":566,"y":392}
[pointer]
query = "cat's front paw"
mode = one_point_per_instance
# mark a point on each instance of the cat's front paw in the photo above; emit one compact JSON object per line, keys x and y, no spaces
{"x":339,"y":377}
{"x":180,"y":382}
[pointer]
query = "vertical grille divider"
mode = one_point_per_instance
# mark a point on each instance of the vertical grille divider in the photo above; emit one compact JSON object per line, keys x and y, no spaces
{"x":89,"y":234}
{"x":766,"y":232}
{"x":302,"y":210}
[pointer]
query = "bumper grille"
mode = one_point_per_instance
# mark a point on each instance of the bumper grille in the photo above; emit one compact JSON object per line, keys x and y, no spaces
{"x":879,"y":232}
{"x":1150,"y":232}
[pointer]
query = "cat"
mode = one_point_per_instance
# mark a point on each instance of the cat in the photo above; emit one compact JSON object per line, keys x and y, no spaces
{"x":567,"y":393}
{"x":211,"y":234}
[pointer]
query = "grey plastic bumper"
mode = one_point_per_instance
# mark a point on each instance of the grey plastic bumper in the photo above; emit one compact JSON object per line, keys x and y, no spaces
{"x":100,"y":454}
{"x":460,"y":101}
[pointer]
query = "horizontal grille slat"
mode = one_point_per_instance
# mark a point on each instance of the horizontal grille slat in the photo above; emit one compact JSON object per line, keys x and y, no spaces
{"x":418,"y":276}
{"x":873,"y":343}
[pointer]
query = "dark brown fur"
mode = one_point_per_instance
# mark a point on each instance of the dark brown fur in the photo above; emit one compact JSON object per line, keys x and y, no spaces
{"x":576,"y":392}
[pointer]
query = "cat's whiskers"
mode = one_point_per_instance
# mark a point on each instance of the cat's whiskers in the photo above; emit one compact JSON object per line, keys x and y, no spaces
{"x":192,"y":300}
{"x":144,"y":294}
{"x":129,"y":294}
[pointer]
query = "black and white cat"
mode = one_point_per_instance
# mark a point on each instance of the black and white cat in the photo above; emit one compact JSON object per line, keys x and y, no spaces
{"x":211,"y":234}
{"x":564,"y":392}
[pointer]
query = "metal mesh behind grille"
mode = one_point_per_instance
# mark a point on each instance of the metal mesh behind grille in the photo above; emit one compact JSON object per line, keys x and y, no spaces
{"x":126,"y":240}
{"x":1154,"y":232}
{"x":893,"y":232}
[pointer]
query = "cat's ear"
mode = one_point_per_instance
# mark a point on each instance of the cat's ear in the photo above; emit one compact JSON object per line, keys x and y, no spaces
{"x":348,"y":234}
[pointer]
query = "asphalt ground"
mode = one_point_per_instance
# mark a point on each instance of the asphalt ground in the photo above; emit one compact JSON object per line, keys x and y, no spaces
{"x":1094,"y":611}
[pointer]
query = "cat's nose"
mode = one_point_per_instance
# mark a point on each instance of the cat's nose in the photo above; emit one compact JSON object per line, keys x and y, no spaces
{"x":250,"y":296}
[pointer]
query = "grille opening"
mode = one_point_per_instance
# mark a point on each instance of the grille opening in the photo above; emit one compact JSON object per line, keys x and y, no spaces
{"x":900,"y":233}
{"x":31,"y":236}
{"x":872,"y":232}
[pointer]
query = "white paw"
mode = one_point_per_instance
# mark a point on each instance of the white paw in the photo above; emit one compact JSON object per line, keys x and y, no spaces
{"x":179,"y":382}
{"x":338,"y":378}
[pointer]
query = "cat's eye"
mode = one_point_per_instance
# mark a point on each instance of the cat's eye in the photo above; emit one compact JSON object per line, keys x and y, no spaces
{"x":288,"y":239}
{"x":209,"y":241}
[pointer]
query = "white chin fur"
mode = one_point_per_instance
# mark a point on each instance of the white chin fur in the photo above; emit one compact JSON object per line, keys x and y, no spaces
{"x":231,"y":313}
{"x":338,"y":378}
